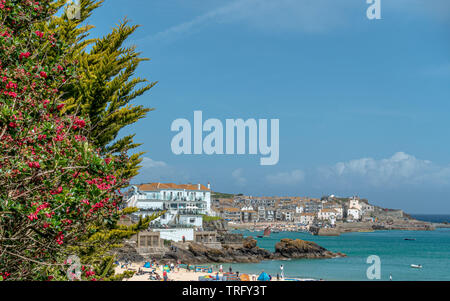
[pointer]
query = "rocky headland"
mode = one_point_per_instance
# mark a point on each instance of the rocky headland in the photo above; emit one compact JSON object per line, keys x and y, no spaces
{"x":248,"y":252}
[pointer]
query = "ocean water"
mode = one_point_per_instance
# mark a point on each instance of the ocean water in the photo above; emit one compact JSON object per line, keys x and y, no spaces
{"x":433,"y":218}
{"x":431,"y":249}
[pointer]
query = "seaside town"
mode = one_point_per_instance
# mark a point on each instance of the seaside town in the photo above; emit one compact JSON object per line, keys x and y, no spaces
{"x":82,"y":143}
{"x":186,"y":205}
{"x":194,"y":230}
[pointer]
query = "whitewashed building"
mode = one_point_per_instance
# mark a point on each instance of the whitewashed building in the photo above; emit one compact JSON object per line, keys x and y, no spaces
{"x":354,"y":214}
{"x":307,"y":218}
{"x":354,"y":203}
{"x":327,"y":214}
{"x":184,"y":203}
{"x":367,"y":208}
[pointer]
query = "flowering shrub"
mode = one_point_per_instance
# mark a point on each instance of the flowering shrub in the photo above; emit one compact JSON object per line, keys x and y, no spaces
{"x":52,"y":181}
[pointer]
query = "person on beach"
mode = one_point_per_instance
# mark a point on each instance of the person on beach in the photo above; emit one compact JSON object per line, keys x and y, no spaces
{"x":230,"y":269}
{"x":390,"y":277}
{"x":282,"y":271}
{"x":221,"y":268}
{"x":172,"y":267}
{"x":165,"y":275}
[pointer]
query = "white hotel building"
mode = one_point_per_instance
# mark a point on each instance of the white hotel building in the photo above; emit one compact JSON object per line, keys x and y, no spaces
{"x":184,"y":204}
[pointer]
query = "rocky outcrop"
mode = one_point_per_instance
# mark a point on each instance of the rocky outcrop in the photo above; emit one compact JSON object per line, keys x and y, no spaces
{"x":196,"y":253}
{"x":249,"y":252}
{"x":220,"y":226}
{"x":231,"y":239}
{"x":128,"y":253}
{"x":295,"y":249}
{"x":324,"y":231}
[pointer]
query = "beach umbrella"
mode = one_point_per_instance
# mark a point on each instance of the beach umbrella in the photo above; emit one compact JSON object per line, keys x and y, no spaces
{"x":264,"y":277}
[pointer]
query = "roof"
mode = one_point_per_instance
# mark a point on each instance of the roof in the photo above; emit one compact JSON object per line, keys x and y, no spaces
{"x":308,"y":214}
{"x":231,"y":209}
{"x":329,"y":210}
{"x":160,"y":186}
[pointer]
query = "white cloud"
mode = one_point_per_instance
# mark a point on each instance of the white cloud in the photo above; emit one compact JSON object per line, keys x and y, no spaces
{"x":399,"y":169}
{"x":310,"y":16}
{"x":239,"y":177}
{"x":306,"y":16}
{"x":159,"y":171}
{"x":150,"y":163}
{"x":286,"y":178}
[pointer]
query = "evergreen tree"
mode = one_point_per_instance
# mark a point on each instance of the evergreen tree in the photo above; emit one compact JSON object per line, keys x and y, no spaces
{"x":107,"y":84}
{"x":102,"y":94}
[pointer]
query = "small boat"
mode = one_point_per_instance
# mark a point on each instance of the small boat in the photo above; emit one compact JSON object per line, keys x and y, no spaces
{"x":266,"y":233}
{"x":416,"y":266}
{"x":412,"y":239}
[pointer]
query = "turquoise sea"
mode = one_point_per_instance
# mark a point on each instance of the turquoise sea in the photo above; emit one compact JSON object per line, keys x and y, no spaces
{"x":431,"y":249}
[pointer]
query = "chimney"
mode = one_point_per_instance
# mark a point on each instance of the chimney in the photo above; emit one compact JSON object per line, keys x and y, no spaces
{"x":199,"y":187}
{"x":209,"y":186}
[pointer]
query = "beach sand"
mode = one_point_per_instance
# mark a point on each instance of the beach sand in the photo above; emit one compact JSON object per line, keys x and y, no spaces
{"x":176,"y":275}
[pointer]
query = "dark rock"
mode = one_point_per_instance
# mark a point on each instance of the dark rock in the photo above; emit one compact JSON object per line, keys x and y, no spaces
{"x":249,"y":252}
{"x":249,"y":243}
{"x":128,"y":253}
{"x":289,"y":248}
{"x":218,"y":225}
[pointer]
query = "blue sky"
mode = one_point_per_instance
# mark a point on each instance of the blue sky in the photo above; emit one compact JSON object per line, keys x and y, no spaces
{"x":363,"y":104}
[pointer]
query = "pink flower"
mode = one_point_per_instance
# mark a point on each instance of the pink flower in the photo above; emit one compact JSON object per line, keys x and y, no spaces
{"x":32,"y":216}
{"x":80,"y":123}
{"x":34,"y":164}
{"x":57,"y":191}
{"x":60,"y":238}
{"x":24,"y":55}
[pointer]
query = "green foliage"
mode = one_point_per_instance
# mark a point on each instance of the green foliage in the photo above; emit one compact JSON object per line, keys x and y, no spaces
{"x":58,"y":193}
{"x":107,"y":87}
{"x":53,"y":182}
{"x":219,"y":195}
{"x":97,"y":248}
{"x":207,"y":218}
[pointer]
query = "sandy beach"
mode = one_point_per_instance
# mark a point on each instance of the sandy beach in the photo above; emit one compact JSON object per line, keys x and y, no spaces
{"x":178,"y":274}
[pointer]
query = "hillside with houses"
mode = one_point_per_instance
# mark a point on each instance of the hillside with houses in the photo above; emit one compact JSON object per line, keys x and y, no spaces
{"x":329,"y":215}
